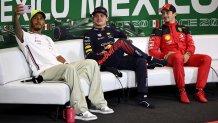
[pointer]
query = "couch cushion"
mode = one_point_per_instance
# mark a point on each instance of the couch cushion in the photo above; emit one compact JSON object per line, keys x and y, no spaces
{"x":29,"y":93}
{"x":164,"y":76}
{"x":13,"y":65}
{"x":109,"y":82}
{"x":52,"y":93}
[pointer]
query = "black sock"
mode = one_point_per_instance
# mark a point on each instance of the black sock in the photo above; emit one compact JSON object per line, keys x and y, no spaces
{"x":142,"y":96}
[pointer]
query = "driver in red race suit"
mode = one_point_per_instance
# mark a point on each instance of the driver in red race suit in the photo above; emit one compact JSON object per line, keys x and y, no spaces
{"x":174,"y":43}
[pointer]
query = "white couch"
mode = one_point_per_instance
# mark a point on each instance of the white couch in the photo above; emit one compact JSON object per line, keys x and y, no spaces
{"x":14,"y":68}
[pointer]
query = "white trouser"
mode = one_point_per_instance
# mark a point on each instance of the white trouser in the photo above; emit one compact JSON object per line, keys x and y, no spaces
{"x":72,"y":73}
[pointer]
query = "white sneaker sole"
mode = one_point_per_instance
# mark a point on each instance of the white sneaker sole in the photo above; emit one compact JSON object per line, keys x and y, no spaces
{"x":101,"y":112}
{"x":85,"y":119}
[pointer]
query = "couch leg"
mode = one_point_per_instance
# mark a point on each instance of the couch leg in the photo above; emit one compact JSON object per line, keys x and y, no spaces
{"x":118,"y":99}
{"x":54,"y":115}
{"x":119,"y":96}
{"x":57,"y":113}
{"x":126,"y":94}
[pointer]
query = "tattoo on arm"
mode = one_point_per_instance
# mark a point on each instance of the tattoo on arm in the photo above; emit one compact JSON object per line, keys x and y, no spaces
{"x":17,"y":28}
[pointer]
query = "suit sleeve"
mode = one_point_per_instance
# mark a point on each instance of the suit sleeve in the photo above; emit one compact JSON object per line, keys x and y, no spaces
{"x":154,"y":44}
{"x":190,"y":46}
{"x":89,"y":49}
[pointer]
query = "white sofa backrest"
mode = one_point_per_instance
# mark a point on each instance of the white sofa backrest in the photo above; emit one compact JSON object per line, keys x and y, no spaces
{"x":141,"y":43}
{"x":72,"y":50}
{"x":13,"y":65}
{"x":205,"y":44}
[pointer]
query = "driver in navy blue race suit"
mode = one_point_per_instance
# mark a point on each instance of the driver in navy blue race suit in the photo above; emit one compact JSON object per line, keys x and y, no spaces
{"x":99,"y":44}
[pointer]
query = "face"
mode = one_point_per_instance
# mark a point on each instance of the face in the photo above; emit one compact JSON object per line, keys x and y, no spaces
{"x":37,"y":22}
{"x":168,"y":16}
{"x":100,"y":20}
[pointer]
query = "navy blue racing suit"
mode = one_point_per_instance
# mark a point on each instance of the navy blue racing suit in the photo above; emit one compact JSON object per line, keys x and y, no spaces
{"x":100,"y":45}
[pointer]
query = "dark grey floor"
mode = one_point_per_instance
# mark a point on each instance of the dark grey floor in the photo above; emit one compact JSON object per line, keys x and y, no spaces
{"x":168,"y":109}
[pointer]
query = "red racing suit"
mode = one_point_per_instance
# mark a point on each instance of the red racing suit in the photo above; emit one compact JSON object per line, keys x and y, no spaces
{"x":172,"y":37}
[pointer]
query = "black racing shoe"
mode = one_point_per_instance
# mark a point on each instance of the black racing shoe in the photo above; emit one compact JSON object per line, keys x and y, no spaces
{"x":144,"y":102}
{"x":155,"y":62}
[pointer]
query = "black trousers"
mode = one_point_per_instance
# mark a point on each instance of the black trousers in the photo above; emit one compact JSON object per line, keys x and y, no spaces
{"x":139,"y":66}
{"x":136,"y":61}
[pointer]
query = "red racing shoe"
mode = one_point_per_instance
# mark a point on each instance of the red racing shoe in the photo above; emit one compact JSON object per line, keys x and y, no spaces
{"x":183,"y":96}
{"x":200,"y":96}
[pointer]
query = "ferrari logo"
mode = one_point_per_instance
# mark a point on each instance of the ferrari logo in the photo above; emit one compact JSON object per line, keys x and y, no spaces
{"x":167,"y":37}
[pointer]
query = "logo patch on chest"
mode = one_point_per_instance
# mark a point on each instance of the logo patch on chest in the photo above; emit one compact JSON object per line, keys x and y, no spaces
{"x":167,"y":37}
{"x":181,"y":37}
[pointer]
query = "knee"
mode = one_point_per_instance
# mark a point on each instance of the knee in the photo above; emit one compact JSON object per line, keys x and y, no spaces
{"x":69,"y":67}
{"x":91,"y":62}
{"x":207,"y":59}
{"x":119,"y":41}
{"x":178,"y":59}
{"x":141,"y":61}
